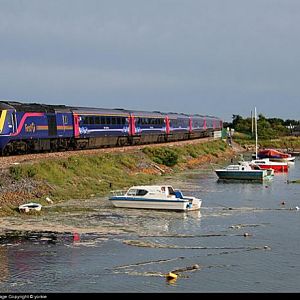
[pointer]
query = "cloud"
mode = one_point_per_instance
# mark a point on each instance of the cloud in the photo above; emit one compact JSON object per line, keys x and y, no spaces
{"x":208,"y":56}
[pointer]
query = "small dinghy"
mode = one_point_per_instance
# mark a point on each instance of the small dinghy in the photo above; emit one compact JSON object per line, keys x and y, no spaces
{"x":30,"y":207}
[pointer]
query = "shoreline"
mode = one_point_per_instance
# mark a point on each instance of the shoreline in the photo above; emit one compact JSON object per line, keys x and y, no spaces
{"x":63,"y":216}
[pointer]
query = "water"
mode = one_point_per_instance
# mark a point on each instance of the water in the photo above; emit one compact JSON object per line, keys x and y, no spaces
{"x":243,"y":240}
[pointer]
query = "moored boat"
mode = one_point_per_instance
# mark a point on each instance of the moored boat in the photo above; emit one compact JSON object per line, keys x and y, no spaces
{"x":30,"y":207}
{"x":266,"y":163}
{"x":294,"y":153}
{"x":154,"y":197}
{"x":275,"y":155}
{"x":244,"y":171}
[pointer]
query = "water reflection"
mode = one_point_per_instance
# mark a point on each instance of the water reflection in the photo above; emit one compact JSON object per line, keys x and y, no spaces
{"x":228,"y":237}
{"x":4,"y":270}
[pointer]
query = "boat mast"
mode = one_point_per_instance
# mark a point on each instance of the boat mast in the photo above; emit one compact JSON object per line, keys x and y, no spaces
{"x":255,"y":119}
{"x":252,"y":125}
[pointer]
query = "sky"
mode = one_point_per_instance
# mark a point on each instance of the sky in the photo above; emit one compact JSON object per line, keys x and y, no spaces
{"x":211,"y":57}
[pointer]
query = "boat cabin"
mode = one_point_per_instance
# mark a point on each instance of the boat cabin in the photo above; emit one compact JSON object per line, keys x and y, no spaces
{"x":243,"y":166}
{"x":155,"y":197}
{"x":150,"y":191}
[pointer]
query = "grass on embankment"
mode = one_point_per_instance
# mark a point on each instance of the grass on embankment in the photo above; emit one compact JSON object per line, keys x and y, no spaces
{"x":82,"y":176}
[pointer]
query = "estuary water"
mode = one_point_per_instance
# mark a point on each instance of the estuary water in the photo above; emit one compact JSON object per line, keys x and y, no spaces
{"x":245,"y":238}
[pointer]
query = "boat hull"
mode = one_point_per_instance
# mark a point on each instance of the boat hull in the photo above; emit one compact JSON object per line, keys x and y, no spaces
{"x":30,"y":207}
{"x":282,"y":159}
{"x":277,"y":168}
{"x":243,"y":175}
{"x":160,"y":204}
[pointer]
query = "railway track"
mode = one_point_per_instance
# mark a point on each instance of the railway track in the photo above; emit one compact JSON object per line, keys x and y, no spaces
{"x":7,"y":161}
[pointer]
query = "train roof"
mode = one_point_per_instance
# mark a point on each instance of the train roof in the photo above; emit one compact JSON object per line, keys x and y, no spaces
{"x":148,"y":114}
{"x":33,"y":107}
{"x":177,"y":115}
{"x":104,"y":111}
{"x":50,"y":108}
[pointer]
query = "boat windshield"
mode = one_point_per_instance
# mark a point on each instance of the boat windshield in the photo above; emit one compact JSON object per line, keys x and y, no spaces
{"x":137,"y":192}
{"x":171,"y":191}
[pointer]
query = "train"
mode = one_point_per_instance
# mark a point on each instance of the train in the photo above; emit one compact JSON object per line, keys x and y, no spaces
{"x":34,"y":127}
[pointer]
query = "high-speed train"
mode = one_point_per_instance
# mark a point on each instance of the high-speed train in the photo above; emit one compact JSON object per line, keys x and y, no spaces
{"x":33,"y":127}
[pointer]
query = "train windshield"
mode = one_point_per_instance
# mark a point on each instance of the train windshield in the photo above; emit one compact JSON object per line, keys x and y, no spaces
{"x":7,"y":123}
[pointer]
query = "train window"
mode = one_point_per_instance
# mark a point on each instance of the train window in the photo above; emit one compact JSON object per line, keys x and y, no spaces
{"x":113,"y":120}
{"x":97,"y":120}
{"x":91,"y":120}
{"x":14,"y":121}
{"x":9,"y":122}
{"x":108,"y":120}
{"x":174,"y":123}
{"x":123,"y":121}
{"x":84,"y":120}
{"x":118,"y":120}
{"x":152,"y":121}
{"x":102,"y":120}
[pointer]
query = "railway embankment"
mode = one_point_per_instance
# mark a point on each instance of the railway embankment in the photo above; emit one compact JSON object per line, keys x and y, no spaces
{"x":82,"y":175}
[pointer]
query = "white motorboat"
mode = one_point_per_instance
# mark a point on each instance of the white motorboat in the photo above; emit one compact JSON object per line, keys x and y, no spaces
{"x":30,"y":207}
{"x":244,"y":171}
{"x":154,"y":197}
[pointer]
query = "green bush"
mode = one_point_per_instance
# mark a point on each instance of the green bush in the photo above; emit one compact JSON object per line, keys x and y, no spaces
{"x":163,"y":155}
{"x":16,"y":172}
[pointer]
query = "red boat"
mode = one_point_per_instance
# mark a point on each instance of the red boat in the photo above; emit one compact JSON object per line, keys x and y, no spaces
{"x":275,"y":155}
{"x":265,"y":163}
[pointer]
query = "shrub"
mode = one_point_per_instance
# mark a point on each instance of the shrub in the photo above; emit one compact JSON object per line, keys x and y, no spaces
{"x":163,"y":155}
{"x":16,"y":172}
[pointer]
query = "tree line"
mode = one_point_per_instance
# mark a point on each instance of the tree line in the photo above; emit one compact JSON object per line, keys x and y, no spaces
{"x":267,"y":127}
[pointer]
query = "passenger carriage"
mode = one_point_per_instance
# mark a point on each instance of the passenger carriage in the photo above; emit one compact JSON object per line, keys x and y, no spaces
{"x":29,"y":127}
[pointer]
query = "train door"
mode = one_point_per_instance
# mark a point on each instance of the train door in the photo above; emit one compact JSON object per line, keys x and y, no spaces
{"x":167,"y":121}
{"x":131,"y":125}
{"x":64,"y":122}
{"x":76,"y":125}
{"x":52,"y":126}
{"x":190,"y":124}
